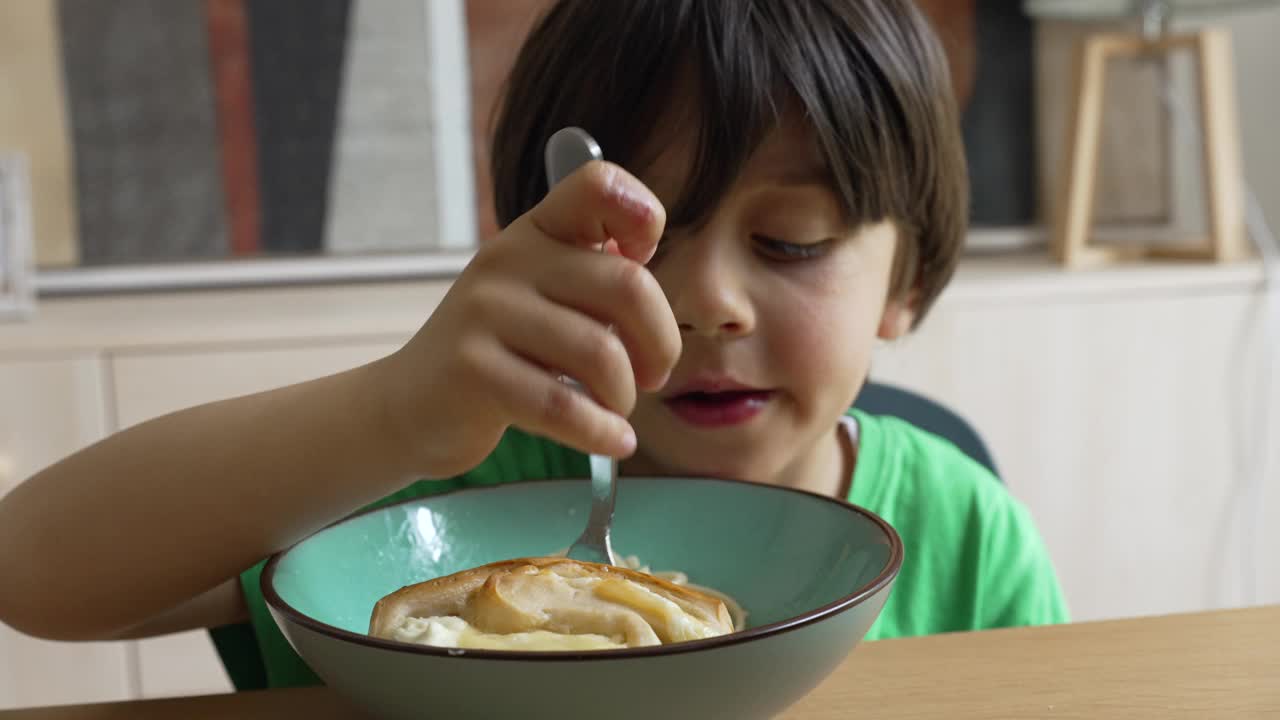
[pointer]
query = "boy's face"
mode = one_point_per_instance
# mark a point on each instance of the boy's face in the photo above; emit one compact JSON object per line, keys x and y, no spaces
{"x":779,"y":305}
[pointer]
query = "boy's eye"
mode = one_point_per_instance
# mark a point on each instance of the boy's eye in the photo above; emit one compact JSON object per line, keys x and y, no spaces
{"x":776,"y":249}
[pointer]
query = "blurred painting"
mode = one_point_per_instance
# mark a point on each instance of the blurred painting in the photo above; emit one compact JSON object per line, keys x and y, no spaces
{"x":180,"y":130}
{"x":17,"y":293}
{"x":206,"y":129}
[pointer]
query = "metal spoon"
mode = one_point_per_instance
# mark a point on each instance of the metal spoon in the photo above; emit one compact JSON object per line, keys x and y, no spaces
{"x":567,"y":150}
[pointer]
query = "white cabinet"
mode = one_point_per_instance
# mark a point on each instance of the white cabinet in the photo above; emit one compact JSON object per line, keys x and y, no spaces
{"x":152,"y":383}
{"x":48,"y":409}
{"x":1126,"y":423}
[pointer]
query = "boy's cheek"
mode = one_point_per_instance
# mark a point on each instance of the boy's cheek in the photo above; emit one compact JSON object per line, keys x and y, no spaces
{"x":815,"y":349}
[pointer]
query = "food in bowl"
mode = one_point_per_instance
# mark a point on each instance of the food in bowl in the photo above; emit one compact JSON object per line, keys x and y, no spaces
{"x":549,"y":604}
{"x":813,"y":571}
{"x":736,"y":611}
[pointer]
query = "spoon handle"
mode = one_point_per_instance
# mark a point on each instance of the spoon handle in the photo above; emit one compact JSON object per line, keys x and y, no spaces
{"x":604,"y":493}
{"x":566,"y":150}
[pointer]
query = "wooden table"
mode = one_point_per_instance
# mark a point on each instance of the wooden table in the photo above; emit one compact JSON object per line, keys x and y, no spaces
{"x":1223,"y":664}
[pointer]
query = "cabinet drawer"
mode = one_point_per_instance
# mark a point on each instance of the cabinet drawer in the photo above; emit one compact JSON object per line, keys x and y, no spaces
{"x":49,"y":409}
{"x":181,"y":664}
{"x":1120,"y":423}
{"x":148,"y":385}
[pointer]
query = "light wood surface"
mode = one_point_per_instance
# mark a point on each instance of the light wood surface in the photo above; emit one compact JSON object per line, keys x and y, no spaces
{"x":1208,"y":665}
{"x":1223,"y":664}
{"x":1221,"y":146}
{"x":1075,"y":207}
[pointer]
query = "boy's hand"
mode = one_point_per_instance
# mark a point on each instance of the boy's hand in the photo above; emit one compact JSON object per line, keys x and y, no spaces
{"x":537,"y":302}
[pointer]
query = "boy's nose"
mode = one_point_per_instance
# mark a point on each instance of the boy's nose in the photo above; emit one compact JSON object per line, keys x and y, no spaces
{"x":724,"y":330}
{"x":710,"y":298}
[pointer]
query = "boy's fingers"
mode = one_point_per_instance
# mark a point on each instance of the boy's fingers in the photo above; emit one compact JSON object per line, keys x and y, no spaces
{"x":599,"y":202}
{"x":538,"y":403}
{"x":624,"y":294}
{"x":565,"y":340}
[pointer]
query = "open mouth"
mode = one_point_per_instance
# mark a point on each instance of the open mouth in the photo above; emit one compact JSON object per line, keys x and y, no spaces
{"x":715,"y":409}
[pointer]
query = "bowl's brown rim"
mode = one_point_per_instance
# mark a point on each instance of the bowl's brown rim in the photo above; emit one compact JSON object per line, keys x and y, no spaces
{"x":886,"y":575}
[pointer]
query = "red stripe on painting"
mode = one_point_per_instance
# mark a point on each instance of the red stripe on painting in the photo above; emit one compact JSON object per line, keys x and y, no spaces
{"x":233,"y":98}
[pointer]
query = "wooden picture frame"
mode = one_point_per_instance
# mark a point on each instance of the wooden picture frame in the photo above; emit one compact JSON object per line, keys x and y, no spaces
{"x":1073,"y":243}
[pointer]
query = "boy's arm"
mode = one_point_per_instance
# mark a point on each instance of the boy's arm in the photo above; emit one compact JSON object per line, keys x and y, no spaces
{"x":125,"y":533}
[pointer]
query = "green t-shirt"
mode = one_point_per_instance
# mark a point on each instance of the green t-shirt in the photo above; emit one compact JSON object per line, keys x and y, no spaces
{"x":973,"y":557}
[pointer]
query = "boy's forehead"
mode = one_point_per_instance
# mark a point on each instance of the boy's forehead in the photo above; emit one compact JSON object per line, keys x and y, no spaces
{"x":789,"y":155}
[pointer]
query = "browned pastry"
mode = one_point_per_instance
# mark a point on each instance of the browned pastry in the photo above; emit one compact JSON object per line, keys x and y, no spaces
{"x":549,"y":603}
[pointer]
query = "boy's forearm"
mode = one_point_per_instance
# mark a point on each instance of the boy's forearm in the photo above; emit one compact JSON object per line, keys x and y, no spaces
{"x":168,"y":509}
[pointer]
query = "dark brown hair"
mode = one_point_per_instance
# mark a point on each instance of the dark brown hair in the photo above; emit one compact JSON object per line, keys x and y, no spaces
{"x":869,"y":77}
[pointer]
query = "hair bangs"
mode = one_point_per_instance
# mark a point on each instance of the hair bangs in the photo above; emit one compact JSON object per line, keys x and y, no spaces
{"x":868,"y":78}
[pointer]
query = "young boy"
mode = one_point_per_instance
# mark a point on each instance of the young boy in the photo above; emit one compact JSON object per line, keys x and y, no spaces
{"x":786,"y":185}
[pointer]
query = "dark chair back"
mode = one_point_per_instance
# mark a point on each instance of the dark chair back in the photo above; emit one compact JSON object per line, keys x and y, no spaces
{"x":881,"y":399}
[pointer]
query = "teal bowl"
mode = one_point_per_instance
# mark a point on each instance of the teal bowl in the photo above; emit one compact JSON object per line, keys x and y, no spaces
{"x":812,"y":573}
